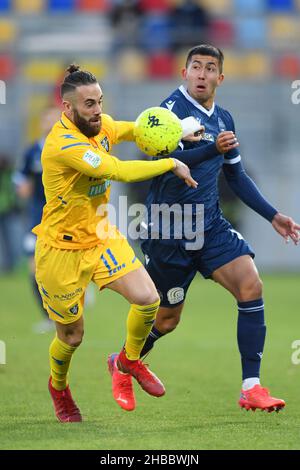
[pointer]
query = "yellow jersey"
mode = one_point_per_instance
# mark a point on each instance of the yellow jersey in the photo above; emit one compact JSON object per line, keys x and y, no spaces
{"x":77,"y":173}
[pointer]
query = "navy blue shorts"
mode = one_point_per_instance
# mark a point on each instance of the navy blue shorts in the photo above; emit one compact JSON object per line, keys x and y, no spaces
{"x":172,"y":267}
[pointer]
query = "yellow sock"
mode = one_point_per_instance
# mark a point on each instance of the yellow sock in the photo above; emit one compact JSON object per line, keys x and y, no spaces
{"x":139,"y":323}
{"x":60,"y":355}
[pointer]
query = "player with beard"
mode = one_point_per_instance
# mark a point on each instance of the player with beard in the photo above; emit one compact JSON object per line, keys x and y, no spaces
{"x":76,"y":244}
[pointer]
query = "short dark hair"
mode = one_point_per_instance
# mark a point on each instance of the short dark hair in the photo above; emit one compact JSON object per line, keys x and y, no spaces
{"x":206,"y":49}
{"x":75,"y":78}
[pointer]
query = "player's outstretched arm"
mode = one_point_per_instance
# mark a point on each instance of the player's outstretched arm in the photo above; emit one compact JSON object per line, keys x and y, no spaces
{"x":97,"y":164}
{"x":286,"y":227}
{"x":139,"y":170}
{"x":193,"y":157}
{"x":123,"y":131}
{"x":248,"y":192}
{"x":225,"y":142}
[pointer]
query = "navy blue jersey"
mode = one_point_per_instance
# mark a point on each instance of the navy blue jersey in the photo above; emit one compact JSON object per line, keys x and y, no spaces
{"x":168,"y":188}
{"x":31,"y":168}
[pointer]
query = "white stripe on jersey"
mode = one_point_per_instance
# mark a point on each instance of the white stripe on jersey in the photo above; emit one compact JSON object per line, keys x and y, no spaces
{"x":232,"y":161}
{"x":259,"y":307}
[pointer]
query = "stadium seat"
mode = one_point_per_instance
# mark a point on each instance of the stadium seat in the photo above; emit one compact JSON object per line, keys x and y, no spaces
{"x":61,"y":5}
{"x":218,"y":7}
{"x":132,"y":65}
{"x":5,"y":5}
{"x":7,"y":67}
{"x":256,"y":66}
{"x":221,"y":32}
{"x":155,"y":5}
{"x":93,"y":5}
{"x":161,"y":65}
{"x":246,"y":7}
{"x":29,"y":6}
{"x":233,"y":65}
{"x":97,"y":67}
{"x":189,"y":24}
{"x":8,"y":31}
{"x":287,"y":66}
{"x":179,"y":61}
{"x":176,"y":3}
{"x":42,"y":71}
{"x":251,"y":32}
{"x":283,"y":30}
{"x":36,"y":103}
{"x":280,"y":5}
{"x":155,"y":32}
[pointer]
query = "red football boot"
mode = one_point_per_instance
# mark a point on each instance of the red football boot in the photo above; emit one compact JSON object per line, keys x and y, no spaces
{"x":259,"y":397}
{"x":147,"y":380}
{"x":121,"y":385}
{"x":64,"y":405}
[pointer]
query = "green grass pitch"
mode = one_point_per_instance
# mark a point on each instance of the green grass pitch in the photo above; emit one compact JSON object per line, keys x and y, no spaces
{"x":198,"y":363}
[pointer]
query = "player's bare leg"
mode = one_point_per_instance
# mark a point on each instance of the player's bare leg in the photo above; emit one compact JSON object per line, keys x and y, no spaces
{"x":168,"y":318}
{"x":68,"y":338}
{"x":138,"y":288}
{"x":241,"y":278}
{"x":166,"y":321}
{"x":71,"y":333}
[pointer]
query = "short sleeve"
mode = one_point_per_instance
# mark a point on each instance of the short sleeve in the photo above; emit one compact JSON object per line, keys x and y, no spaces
{"x":177,"y":107}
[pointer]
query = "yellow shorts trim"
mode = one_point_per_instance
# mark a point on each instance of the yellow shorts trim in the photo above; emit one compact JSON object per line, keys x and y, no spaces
{"x":63,"y":275}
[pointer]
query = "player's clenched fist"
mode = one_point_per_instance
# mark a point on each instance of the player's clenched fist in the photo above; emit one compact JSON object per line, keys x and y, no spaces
{"x":226,"y":141}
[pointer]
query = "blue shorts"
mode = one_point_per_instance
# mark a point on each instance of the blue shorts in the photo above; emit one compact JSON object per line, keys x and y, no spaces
{"x":172,"y":267}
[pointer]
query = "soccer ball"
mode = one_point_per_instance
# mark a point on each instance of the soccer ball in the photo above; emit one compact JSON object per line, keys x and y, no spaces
{"x":157,"y":131}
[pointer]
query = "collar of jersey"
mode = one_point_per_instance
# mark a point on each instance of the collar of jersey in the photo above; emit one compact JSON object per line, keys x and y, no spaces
{"x":67,"y":123}
{"x":208,"y":112}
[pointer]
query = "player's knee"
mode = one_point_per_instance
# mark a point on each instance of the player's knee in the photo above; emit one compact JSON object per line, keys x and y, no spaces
{"x":250,"y":290}
{"x":169,"y":325}
{"x":149,"y":296}
{"x":74,"y":339}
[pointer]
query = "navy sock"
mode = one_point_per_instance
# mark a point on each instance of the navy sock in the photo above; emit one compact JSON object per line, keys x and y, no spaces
{"x":251,"y":333}
{"x":154,"y":335}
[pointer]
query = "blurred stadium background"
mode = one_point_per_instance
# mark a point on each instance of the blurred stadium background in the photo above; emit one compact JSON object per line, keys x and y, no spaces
{"x":136,"y":48}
